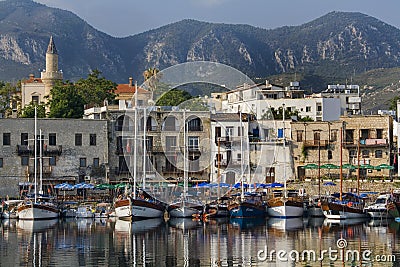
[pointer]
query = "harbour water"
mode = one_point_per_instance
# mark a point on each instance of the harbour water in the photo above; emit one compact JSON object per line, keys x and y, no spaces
{"x":184,"y":242}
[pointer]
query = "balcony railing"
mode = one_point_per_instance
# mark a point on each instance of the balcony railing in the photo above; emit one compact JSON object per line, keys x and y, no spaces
{"x":366,"y":143}
{"x":45,"y":171}
{"x":315,"y":143}
{"x":52,"y":151}
{"x":24,"y":150}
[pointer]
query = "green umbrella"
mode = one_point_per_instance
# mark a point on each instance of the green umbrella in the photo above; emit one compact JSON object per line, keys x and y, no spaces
{"x":105,"y":186}
{"x":310,"y":166}
{"x":349,"y":166}
{"x":121,"y":185}
{"x":366,"y":166}
{"x":329,"y":166}
{"x":384,"y":166}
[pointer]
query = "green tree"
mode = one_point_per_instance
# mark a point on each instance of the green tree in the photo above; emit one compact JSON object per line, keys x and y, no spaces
{"x":95,"y":89}
{"x":393,"y":103}
{"x":66,"y":101}
{"x":29,"y":110}
{"x":8,"y":96}
{"x":173,"y":97}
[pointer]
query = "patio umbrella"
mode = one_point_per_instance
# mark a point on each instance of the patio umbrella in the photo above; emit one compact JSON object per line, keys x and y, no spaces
{"x":329,"y":166}
{"x":349,"y":166}
{"x":310,"y":166}
{"x":366,"y":166}
{"x":384,"y":166}
{"x":104,"y":186}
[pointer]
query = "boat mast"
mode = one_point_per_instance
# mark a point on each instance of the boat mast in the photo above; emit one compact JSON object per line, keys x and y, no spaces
{"x":284,"y":150}
{"x":218,"y":171}
{"x":241,"y":155}
{"x":144,"y":148}
{"x":35,"y":157}
{"x":135,"y":143}
{"x":40,"y":163}
{"x":341,"y":165}
{"x":185,"y":175}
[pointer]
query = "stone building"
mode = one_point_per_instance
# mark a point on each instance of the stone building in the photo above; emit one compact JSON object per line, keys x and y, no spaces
{"x":366,"y":140}
{"x":73,"y":150}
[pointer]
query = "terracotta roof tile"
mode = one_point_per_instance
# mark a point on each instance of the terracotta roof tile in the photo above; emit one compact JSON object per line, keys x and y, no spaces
{"x":126,"y":88}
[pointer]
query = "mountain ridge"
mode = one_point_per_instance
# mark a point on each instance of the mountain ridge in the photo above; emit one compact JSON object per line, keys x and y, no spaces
{"x":328,"y":49}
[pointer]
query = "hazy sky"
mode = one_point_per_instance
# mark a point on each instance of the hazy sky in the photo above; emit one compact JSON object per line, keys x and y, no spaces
{"x":128,"y":17}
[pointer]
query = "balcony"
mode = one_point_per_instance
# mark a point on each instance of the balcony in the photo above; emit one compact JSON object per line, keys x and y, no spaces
{"x":315,"y":143}
{"x":223,"y":140}
{"x":24,"y":150}
{"x":46,"y":170}
{"x":366,"y":143}
{"x":52,"y":151}
{"x":195,"y":128}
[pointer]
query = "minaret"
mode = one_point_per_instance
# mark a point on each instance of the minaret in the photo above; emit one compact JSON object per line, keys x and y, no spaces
{"x":51,"y":74}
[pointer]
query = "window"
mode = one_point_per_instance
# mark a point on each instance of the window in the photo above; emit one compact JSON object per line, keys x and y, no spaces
{"x":365,"y":153}
{"x":334,"y":135}
{"x":239,"y":157}
{"x":92,"y":139}
{"x":6,"y":139}
{"x":1,"y":162}
{"x":82,"y":162}
{"x":353,"y":153}
{"x":193,"y":142}
{"x":24,"y":139}
{"x":25,"y":161}
{"x":308,"y":109}
{"x":330,"y":154}
{"x":299,"y":136}
{"x":319,"y":108}
{"x":379,"y":133}
{"x":170,"y":143}
{"x":96,"y":162}
{"x":52,"y":161}
{"x":229,"y":131}
{"x":52,"y":139}
{"x":35,"y":99}
{"x":78,"y":139}
{"x":378,"y":153}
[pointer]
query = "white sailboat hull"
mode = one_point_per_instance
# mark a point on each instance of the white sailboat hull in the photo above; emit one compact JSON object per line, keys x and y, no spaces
{"x":183,"y":212}
{"x":37,"y":212}
{"x":285,"y":211}
{"x":344,"y":215}
{"x":123,"y":209}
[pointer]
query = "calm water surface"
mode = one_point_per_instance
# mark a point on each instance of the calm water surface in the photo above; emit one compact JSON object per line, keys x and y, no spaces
{"x":183,"y":242}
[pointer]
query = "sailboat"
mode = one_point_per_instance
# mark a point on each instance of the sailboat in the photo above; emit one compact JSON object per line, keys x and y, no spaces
{"x":40,"y":207}
{"x":141,"y":204}
{"x":247,"y":204}
{"x":286,"y":204}
{"x":346,"y":205}
{"x":185,"y":206}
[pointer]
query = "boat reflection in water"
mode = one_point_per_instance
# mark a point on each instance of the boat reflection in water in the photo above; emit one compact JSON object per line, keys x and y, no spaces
{"x":315,"y":221}
{"x":286,"y":224}
{"x":347,"y":222}
{"x":36,"y":225}
{"x":247,"y":223}
{"x":184,"y":223}
{"x":137,"y":226}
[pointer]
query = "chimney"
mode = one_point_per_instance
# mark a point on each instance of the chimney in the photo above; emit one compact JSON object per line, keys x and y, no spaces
{"x":130,"y":81}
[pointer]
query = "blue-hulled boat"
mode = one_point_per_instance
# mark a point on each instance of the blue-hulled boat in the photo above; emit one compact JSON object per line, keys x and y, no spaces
{"x":247,"y":205}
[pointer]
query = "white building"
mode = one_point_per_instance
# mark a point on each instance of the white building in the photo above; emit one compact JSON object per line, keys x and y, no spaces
{"x":349,"y":95}
{"x":259,"y":99}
